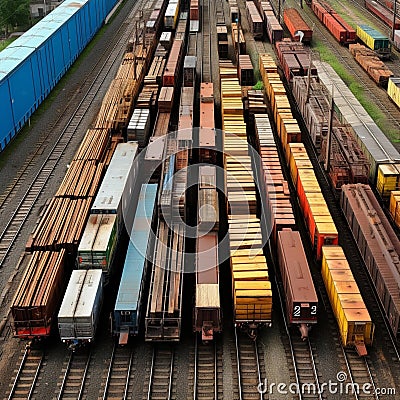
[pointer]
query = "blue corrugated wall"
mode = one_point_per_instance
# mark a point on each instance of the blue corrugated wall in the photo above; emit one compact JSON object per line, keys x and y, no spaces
{"x":32,"y":65}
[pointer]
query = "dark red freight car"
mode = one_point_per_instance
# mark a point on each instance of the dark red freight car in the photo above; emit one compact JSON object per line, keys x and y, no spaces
{"x":295,"y":24}
{"x":300,"y":296}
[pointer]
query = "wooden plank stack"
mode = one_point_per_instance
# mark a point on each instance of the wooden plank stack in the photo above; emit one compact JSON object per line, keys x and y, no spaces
{"x":368,"y":60}
{"x":34,"y":302}
{"x":93,"y":145}
{"x":251,"y":290}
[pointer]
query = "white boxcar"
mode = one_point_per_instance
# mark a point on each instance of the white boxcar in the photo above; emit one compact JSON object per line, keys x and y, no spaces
{"x":80,"y":309}
{"x":115,"y":193}
{"x":99,"y":240}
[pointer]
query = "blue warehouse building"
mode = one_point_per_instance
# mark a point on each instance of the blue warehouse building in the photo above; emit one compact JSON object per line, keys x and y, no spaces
{"x":32,"y":65}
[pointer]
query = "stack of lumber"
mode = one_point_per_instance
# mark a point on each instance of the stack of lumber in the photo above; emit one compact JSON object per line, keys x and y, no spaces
{"x":39,"y":294}
{"x":81,"y":180}
{"x":165,"y":99}
{"x":168,"y":267}
{"x":93,"y":145}
{"x":375,"y":68}
{"x":61,"y":225}
{"x":156,"y":70}
{"x":148,"y":97}
{"x":251,"y":287}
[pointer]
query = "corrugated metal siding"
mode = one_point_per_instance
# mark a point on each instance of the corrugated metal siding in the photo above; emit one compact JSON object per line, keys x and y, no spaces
{"x":33,"y":64}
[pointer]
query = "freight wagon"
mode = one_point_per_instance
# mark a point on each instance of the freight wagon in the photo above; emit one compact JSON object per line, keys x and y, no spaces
{"x":335,"y":24}
{"x":207,"y":133}
{"x":383,"y":13}
{"x":130,"y":304}
{"x":79,"y":313}
{"x":355,"y":325}
{"x":164,"y":305}
{"x":378,"y":245}
{"x":380,"y":152}
{"x":255,"y":20}
{"x":208,"y":209}
{"x":171,"y":15}
{"x":394,"y":90}
{"x":374,"y":40}
{"x":300,"y":296}
{"x":207,"y":309}
{"x":99,"y":241}
{"x":296,"y":24}
{"x":39,"y":294}
{"x":115,"y":193}
{"x":33,"y":64}
{"x":251,"y":288}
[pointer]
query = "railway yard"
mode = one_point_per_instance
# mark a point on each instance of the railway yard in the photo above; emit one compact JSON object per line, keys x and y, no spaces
{"x":143,"y":257}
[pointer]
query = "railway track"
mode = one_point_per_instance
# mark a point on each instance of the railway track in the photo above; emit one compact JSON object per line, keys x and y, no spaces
{"x":378,"y":95}
{"x":250,"y":368}
{"x":161,"y":373}
{"x":301,"y":356}
{"x":359,"y":374}
{"x":207,"y":371}
{"x":22,"y":209}
{"x":27,"y":374}
{"x":75,"y":376}
{"x":119,"y":375}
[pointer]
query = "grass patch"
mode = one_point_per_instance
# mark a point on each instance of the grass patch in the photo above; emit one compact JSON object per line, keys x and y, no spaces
{"x":6,"y":42}
{"x":356,"y":88}
{"x":259,"y":85}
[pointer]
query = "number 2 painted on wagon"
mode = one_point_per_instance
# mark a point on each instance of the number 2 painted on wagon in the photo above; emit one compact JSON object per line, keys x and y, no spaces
{"x":296,"y":311}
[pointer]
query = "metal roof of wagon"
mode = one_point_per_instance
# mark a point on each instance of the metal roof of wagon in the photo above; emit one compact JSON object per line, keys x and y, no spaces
{"x":131,"y":280}
{"x":376,"y":142}
{"x":115,"y":179}
{"x":17,"y":51}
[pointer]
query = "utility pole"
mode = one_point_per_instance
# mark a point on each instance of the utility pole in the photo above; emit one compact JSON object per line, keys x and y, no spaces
{"x":329,"y":135}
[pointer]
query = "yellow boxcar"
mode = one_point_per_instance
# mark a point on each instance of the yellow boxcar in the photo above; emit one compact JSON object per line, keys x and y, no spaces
{"x":394,"y":207}
{"x":394,"y":90}
{"x":355,"y":325}
{"x":388,"y":179}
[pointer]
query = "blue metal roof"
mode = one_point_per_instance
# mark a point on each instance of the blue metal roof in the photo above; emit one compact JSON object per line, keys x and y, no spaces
{"x":17,"y":51}
{"x":131,"y":280}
